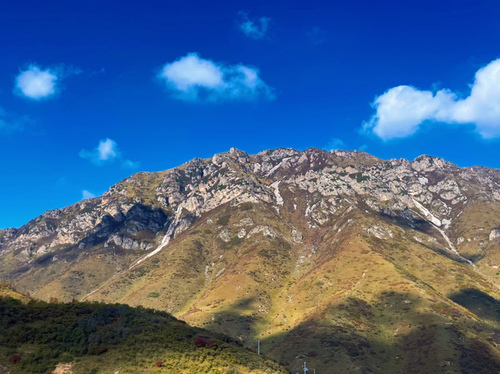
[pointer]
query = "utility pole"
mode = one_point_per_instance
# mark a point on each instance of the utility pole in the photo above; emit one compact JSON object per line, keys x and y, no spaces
{"x":258,"y":347}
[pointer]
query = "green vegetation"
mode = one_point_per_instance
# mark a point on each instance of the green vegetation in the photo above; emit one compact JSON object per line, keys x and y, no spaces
{"x":359,"y":177}
{"x":98,"y":338}
{"x":223,"y":219}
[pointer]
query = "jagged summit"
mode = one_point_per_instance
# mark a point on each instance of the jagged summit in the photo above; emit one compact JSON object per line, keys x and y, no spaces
{"x":344,"y":248}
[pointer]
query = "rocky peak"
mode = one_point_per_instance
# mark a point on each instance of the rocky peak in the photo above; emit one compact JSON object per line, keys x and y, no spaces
{"x":234,"y":155}
{"x":241,"y":156}
{"x":430,"y":163}
{"x":315,"y":181}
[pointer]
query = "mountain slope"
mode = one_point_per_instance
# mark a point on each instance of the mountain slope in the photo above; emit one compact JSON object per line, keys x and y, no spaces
{"x":337,"y":258}
{"x":101,"y":338}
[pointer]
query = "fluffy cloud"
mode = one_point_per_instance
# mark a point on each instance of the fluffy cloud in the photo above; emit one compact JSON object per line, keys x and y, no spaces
{"x":192,"y":77}
{"x":35,"y":83}
{"x":107,"y":151}
{"x":87,"y":195}
{"x":255,"y":29}
{"x":401,"y":110}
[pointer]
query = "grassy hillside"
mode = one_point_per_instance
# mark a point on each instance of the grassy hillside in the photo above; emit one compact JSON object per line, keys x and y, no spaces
{"x":341,"y":300}
{"x":7,"y":291}
{"x":91,"y":338}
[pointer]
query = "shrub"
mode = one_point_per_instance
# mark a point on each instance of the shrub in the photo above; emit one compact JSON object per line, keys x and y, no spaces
{"x":246,"y":206}
{"x":153,"y":294}
{"x":223,"y":219}
{"x":200,"y":342}
{"x":15,"y":359}
{"x":211,"y":343}
{"x":159,"y":364}
{"x":207,"y":343}
{"x":96,"y":351}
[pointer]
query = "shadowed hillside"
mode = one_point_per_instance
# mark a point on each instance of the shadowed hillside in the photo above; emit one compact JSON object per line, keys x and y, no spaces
{"x":36,"y":336}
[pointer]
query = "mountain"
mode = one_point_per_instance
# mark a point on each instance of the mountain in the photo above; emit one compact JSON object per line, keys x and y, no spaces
{"x":340,"y":259}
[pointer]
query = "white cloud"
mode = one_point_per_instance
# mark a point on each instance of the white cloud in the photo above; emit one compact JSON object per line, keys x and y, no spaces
{"x":87,"y":195}
{"x":192,"y":71}
{"x":105,"y":152}
{"x":255,"y":29}
{"x":35,"y":83}
{"x":402,"y":109}
{"x":192,"y":78}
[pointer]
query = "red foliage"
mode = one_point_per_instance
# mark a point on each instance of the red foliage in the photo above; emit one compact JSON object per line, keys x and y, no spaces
{"x":211,"y":343}
{"x":15,"y":359}
{"x":200,"y":342}
{"x":159,"y":364}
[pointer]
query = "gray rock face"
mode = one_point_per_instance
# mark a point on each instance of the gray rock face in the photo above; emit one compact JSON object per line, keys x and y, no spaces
{"x":314,"y":184}
{"x":494,"y":234}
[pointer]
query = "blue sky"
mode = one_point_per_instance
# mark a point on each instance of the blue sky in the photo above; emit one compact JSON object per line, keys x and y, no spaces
{"x":93,"y":91}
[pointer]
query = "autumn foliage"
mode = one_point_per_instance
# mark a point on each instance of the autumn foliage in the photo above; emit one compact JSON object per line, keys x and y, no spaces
{"x":207,"y":343}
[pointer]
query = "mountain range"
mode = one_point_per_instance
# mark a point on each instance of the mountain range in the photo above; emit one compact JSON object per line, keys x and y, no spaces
{"x":351,"y":263}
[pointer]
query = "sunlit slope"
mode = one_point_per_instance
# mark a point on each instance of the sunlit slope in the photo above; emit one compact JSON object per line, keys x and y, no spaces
{"x":340,"y":259}
{"x":330,"y":296}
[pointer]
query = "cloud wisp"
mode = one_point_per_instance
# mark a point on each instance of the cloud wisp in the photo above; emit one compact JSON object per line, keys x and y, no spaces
{"x":255,"y":29}
{"x":87,"y":195}
{"x":106,"y":152}
{"x":401,"y":110}
{"x":316,"y":35}
{"x":194,"y":78}
{"x":335,"y":144}
{"x":11,"y":122}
